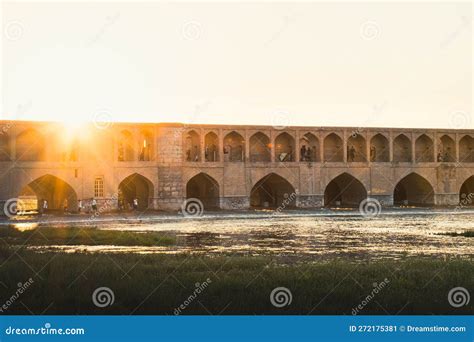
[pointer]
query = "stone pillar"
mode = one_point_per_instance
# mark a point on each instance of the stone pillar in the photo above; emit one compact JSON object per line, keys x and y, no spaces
{"x":456,"y":144}
{"x":12,"y":144}
{"x":390,"y":147}
{"x":247,"y":146}
{"x":297,"y":156}
{"x":220,"y":137}
{"x":344,"y":145}
{"x":202,"y":145}
{"x":413,"y":148}
{"x":321,"y":149}
{"x":435,"y":147}
{"x":272,"y":142}
{"x":367,"y":146}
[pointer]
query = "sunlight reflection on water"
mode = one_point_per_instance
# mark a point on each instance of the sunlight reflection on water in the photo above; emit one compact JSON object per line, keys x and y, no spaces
{"x":391,"y":236}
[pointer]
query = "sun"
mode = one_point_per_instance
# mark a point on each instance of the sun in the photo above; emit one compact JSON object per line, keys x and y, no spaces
{"x":73,"y":128}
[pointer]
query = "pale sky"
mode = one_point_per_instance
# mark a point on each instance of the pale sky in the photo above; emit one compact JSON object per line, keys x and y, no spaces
{"x":316,"y":64}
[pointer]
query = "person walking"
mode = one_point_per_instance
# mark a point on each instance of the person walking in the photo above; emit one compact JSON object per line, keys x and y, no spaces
{"x":94,"y":205}
{"x":79,"y":206}
{"x":45,"y":206}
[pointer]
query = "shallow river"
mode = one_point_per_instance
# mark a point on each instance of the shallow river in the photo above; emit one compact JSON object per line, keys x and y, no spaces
{"x":298,"y":234}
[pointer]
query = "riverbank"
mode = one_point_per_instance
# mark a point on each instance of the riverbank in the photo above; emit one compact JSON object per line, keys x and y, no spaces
{"x":161,"y":284}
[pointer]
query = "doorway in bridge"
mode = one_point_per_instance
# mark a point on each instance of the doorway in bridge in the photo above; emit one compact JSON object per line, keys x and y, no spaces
{"x":413,"y":190}
{"x":135,"y":187}
{"x":344,"y":191}
{"x":204,"y":188}
{"x":273,"y":191}
{"x":46,"y":194}
{"x":466,"y":194}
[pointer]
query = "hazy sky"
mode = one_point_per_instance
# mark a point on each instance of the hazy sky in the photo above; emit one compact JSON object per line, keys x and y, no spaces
{"x":318,"y":64}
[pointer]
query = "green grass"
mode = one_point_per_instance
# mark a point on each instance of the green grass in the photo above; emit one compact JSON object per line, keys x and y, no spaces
{"x":157,"y":284}
{"x":468,"y":233}
{"x":84,"y":236}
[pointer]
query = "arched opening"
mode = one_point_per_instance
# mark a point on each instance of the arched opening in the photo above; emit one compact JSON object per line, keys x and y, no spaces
{"x":273,"y":191}
{"x":333,"y":148}
{"x":344,"y":191}
{"x":234,"y":147}
{"x":145,"y":146}
{"x":402,"y":149}
{"x":466,"y":149}
{"x":424,"y":149}
{"x":205,"y":188}
{"x":125,"y":146}
{"x":446,"y":150}
{"x":309,"y":148}
{"x":284,"y":148}
{"x":379,"y":149}
{"x":48,"y":193}
{"x":356,"y":148}
{"x":260,"y":148}
{"x":193,"y":147}
{"x":413,"y":190}
{"x":135,"y":188}
{"x":211,"y":147}
{"x":466,"y":194}
{"x":30,"y":146}
{"x":4,"y":147}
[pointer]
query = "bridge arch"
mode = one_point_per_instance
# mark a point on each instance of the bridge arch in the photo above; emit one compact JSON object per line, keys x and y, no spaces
{"x":285,"y":147}
{"x":192,"y":145}
{"x":260,"y":148}
{"x":234,"y":147}
{"x":133,"y":187}
{"x":309,"y":148}
{"x":466,"y":193}
{"x":379,"y":149}
{"x":205,"y":188}
{"x":273,"y":191}
{"x":344,"y":191}
{"x":413,"y":190}
{"x":211,"y":147}
{"x":446,"y":149}
{"x":402,"y":150}
{"x":56,"y":192}
{"x":30,"y":146}
{"x":356,"y":148}
{"x":333,"y":148}
{"x":125,"y":146}
{"x":4,"y":147}
{"x":424,"y":149}
{"x":466,"y":149}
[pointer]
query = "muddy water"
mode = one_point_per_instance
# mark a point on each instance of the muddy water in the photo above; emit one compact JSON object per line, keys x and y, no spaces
{"x":302,"y":235}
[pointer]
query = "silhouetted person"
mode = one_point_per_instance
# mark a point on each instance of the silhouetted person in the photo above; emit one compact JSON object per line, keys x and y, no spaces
{"x":94,"y":205}
{"x":303,"y":153}
{"x":308,"y":155}
{"x":373,"y":153}
{"x":135,"y":204}
{"x":440,"y":157}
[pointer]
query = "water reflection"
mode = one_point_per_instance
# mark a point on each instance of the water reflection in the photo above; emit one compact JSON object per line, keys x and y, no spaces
{"x":388,"y":236}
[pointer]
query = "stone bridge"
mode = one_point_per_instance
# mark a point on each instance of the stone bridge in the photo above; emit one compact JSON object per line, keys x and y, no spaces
{"x":231,"y":166}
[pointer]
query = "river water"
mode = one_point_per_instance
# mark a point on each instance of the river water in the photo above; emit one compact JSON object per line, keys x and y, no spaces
{"x":299,"y":234}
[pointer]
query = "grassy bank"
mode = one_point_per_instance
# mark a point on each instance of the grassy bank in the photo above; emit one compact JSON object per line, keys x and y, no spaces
{"x":157,"y":284}
{"x":84,"y":236}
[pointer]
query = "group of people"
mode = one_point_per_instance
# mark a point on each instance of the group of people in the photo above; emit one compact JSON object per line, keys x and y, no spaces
{"x":93,"y":206}
{"x":307,"y":153}
{"x":444,"y":157}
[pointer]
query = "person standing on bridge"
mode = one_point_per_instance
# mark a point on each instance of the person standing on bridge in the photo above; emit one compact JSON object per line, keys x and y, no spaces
{"x":135,"y":204}
{"x":303,"y":153}
{"x":94,"y":205}
{"x":45,"y":206}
